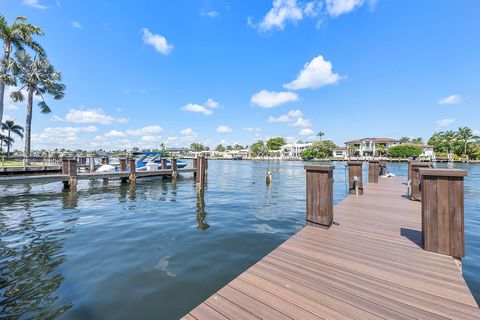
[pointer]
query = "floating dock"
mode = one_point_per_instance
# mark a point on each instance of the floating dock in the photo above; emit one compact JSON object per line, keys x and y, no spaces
{"x":370,"y":264}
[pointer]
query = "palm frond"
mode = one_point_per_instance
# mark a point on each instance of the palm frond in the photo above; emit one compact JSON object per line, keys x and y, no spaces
{"x":44,"y":108}
{"x":17,"y":96}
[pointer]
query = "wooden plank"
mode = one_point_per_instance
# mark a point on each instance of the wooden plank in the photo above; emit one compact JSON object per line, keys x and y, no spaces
{"x":365,"y":267}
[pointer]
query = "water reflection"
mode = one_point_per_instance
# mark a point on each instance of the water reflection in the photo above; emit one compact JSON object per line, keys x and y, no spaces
{"x":201,"y":213}
{"x":30,"y":252}
{"x":69,"y":199}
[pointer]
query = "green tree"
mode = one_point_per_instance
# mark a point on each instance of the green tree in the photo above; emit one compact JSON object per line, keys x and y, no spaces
{"x":418,"y":140}
{"x":17,"y":36}
{"x":198,"y":147}
{"x":220,"y":148}
{"x":259,"y":149}
{"x":465,"y":134}
{"x":404,"y":139}
{"x":275,"y":143}
{"x":380,"y":148}
{"x":323,"y":149}
{"x":11,"y":127}
{"x":4,"y":140}
{"x":308,"y":154}
{"x":38,"y":77}
{"x":449,"y":138}
{"x":404,"y":151}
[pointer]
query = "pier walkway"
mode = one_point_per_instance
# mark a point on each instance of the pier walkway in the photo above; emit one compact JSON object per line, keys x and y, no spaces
{"x":369,"y":264}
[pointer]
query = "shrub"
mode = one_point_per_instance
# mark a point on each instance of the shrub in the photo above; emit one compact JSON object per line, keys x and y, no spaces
{"x":404,"y":151}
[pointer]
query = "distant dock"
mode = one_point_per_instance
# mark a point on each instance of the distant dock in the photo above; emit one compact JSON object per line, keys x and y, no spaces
{"x":369,"y":264}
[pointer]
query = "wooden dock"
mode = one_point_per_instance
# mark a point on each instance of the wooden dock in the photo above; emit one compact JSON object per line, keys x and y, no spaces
{"x":370,"y":264}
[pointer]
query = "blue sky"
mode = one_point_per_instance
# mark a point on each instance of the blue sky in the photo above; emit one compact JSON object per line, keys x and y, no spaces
{"x":139,"y":73}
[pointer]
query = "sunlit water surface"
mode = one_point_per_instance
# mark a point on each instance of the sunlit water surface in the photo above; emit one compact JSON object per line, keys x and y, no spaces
{"x":155,"y":250}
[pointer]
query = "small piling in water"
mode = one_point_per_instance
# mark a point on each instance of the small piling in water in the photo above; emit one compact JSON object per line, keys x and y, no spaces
{"x":173,"y":164}
{"x":132,"y":169}
{"x":164,"y":164}
{"x":200,"y":179}
{"x":123,"y":168}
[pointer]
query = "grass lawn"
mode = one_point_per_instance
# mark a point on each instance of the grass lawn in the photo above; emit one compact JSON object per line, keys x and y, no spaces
{"x":13,"y":163}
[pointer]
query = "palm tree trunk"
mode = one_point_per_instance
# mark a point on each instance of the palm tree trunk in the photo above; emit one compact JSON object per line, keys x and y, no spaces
{"x":465,"y":149}
{"x":6,"y":56}
{"x":8,"y":145}
{"x":28,"y":123}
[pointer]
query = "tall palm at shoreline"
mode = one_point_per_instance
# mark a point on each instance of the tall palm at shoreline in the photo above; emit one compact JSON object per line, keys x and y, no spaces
{"x":15,"y":36}
{"x":11,"y":127}
{"x":38,"y":77}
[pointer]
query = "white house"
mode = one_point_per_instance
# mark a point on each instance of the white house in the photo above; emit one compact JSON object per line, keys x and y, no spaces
{"x":293,"y":150}
{"x":340,"y":153}
{"x":370,"y":146}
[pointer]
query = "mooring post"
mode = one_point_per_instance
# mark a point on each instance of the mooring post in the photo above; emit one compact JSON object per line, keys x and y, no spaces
{"x":173,"y":164}
{"x":164,"y":164}
{"x":91,"y":164}
{"x":373,"y":171}
{"x":206,"y":165}
{"x":200,"y":174}
{"x":443,"y":211}
{"x":383,"y":167}
{"x":415,"y":179}
{"x":72,"y":172}
{"x":319,"y":195}
{"x":123,"y":168}
{"x":355,"y":178}
{"x":64,"y":166}
{"x":132,"y":168}
{"x":410,"y":162}
{"x":195,"y":166}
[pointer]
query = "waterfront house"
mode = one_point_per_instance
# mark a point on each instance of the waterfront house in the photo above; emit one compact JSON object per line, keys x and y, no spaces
{"x":293,"y":150}
{"x":340,"y":153}
{"x":370,"y":146}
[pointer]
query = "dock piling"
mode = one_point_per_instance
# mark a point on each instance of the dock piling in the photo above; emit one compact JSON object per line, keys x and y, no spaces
{"x":194,"y":165}
{"x":200,"y":180}
{"x":415,"y":179}
{"x":164,"y":164}
{"x":123,"y":168}
{"x":355,"y":178}
{"x":173,"y":164}
{"x":383,"y":167}
{"x":443,"y":211}
{"x":319,"y":195}
{"x":132,"y":168}
{"x":373,"y":171}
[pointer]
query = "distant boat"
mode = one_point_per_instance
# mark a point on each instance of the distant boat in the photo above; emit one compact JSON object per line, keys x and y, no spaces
{"x":153,"y":159}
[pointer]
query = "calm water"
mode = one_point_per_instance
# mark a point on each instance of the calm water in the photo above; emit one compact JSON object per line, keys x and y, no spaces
{"x":154,"y":250}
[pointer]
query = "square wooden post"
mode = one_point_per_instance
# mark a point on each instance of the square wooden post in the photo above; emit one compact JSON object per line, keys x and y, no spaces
{"x":373,"y":171}
{"x":195,"y":166}
{"x":415,"y":179}
{"x":123,"y":164}
{"x":91,"y":164}
{"x":132,"y":166}
{"x":164,"y":164}
{"x":355,"y":177}
{"x":383,"y":167}
{"x":72,"y":172}
{"x":173,"y":164}
{"x":443,"y":211}
{"x":319,"y":195}
{"x":200,"y":180}
{"x":65,"y":166}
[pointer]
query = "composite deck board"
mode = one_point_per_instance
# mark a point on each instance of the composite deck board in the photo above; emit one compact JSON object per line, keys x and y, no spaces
{"x":369,"y":265}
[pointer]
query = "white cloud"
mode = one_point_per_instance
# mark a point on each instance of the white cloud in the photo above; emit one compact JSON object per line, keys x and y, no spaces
{"x":10,"y":106}
{"x":256,"y":129}
{"x":301,"y":122}
{"x":306,"y":132}
{"x":57,"y":118}
{"x":60,"y":135}
{"x":76,"y":24}
{"x":151,"y":138}
{"x":444,"y":122}
{"x":339,"y":7}
{"x":291,"y":116}
{"x":193,"y":107}
{"x":453,"y":99}
{"x":281,"y":12}
{"x":145,"y":131}
{"x":210,"y":14}
{"x":115,"y":134}
{"x":210,"y":103}
{"x":312,"y":8}
{"x":224,"y":129}
{"x":91,"y":116}
{"x":315,"y":74}
{"x":271,"y":99}
{"x":159,"y":42}
{"x":34,"y":4}
{"x":187,"y":132}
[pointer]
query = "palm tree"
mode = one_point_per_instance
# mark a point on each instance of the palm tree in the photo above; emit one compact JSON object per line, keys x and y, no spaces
{"x":418,"y":140}
{"x":15,"y":36}
{"x":404,"y":139}
{"x":465,"y":134}
{"x":5,"y":140}
{"x":11,"y":127}
{"x":320,"y":134}
{"x":449,"y":138}
{"x":38,"y":77}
